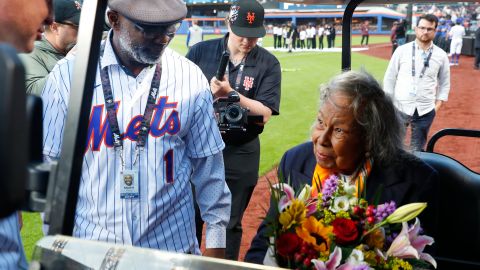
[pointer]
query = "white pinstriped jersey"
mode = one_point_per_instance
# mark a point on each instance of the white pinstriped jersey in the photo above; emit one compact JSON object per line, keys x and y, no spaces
{"x":183,"y":130}
{"x":11,"y":249}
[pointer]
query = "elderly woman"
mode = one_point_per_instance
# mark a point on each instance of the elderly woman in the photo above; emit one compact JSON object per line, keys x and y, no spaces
{"x":357,"y":135}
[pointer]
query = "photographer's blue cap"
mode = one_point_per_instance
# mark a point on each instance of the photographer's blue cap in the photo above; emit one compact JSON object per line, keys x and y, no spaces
{"x":246,"y":19}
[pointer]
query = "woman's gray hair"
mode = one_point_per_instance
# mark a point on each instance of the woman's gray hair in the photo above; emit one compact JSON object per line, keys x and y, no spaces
{"x":381,"y":124}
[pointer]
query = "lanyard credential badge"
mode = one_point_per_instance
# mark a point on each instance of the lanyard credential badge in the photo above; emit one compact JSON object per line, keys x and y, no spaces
{"x":129,"y":184}
{"x":413,"y":89}
{"x":129,"y":179}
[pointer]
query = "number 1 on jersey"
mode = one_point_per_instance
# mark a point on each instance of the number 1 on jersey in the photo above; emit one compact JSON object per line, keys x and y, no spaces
{"x":168,"y":159}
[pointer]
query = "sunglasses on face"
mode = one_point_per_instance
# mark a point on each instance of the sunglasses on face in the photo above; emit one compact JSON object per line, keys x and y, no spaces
{"x":156,"y":30}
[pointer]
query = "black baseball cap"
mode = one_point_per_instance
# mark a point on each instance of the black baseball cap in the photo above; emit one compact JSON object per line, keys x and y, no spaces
{"x":67,"y":10}
{"x":246,"y":18}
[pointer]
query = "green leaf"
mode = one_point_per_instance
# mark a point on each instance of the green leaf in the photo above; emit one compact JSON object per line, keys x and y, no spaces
{"x":378,"y":195}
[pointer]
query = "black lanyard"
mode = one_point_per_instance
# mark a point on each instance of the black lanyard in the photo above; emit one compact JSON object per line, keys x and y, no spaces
{"x":240,"y":73}
{"x":241,"y":66}
{"x":426,"y":62}
{"x":111,"y":112}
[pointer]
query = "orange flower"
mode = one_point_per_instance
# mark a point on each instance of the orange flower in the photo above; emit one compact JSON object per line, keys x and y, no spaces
{"x":315,"y":233}
{"x":376,"y":239}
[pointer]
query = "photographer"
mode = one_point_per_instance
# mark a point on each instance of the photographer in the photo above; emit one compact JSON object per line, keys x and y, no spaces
{"x":255,"y":75}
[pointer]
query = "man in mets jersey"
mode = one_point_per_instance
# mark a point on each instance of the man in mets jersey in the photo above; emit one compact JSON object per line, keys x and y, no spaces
{"x":152,"y":131}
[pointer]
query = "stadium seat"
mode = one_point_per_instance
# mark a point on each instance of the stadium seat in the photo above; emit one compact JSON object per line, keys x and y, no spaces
{"x":458,"y":232}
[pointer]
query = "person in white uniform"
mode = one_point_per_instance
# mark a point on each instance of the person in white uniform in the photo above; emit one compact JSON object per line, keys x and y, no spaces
{"x":151,"y":134}
{"x":457,"y":32}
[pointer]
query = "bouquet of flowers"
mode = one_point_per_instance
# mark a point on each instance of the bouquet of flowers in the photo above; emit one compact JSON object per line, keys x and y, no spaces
{"x":333,"y":228}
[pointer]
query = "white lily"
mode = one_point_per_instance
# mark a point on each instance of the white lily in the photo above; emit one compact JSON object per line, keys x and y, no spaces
{"x":306,"y":193}
{"x":355,"y":258}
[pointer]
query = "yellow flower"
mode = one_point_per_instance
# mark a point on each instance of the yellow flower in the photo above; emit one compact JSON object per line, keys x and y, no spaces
{"x":376,"y":239}
{"x":316,"y":234}
{"x":370,"y":257}
{"x":294,"y":214}
{"x":399,"y":264}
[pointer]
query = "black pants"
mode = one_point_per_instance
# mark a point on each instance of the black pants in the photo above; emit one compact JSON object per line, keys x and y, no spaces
{"x":320,"y":42}
{"x":314,"y":42}
{"x":329,"y":42}
{"x":364,"y":37}
{"x":275,"y":41}
{"x":241,"y":174}
{"x":477,"y":58}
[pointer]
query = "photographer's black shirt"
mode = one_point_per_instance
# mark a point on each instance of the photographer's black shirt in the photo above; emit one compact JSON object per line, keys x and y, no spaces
{"x":260,"y":79}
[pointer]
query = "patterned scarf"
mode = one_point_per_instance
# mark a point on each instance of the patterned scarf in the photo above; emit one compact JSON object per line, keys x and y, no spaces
{"x":358,"y":178}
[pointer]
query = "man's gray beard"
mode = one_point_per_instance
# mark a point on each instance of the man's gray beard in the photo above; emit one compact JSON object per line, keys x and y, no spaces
{"x":127,"y":47}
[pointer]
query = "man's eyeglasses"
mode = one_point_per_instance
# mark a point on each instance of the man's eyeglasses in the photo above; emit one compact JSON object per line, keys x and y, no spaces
{"x":427,"y":29}
{"x":149,"y":31}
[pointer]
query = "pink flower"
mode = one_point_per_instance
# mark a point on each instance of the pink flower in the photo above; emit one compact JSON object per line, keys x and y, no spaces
{"x":401,"y":246}
{"x":304,"y":196}
{"x":419,"y":242}
{"x":332,"y":263}
{"x":286,"y":199}
{"x":409,"y":244}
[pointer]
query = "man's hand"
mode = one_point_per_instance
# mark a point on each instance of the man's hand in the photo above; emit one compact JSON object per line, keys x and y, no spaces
{"x":215,"y":253}
{"x":220,"y":88}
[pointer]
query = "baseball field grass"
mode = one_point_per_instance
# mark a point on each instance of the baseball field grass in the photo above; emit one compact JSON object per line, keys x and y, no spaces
{"x":302,"y":74}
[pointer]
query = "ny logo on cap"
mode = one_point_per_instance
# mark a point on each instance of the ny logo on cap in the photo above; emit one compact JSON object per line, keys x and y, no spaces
{"x":250,"y":17}
{"x":78,"y":5}
{"x":233,"y":13}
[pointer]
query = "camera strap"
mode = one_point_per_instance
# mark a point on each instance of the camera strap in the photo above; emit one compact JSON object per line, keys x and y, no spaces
{"x":112,"y":116}
{"x":426,"y":61}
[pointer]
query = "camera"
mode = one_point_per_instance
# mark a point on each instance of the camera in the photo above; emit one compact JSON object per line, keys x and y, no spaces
{"x":230,"y":115}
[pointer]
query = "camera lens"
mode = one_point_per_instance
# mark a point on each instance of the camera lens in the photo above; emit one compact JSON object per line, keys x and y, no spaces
{"x":233,"y":113}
